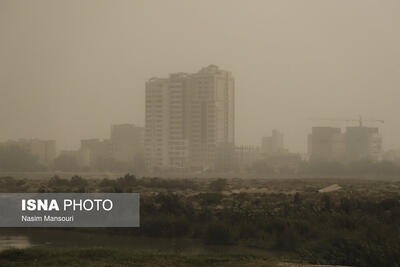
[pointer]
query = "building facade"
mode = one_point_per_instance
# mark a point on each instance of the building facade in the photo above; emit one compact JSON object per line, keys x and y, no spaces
{"x":190,"y":121}
{"x":323,"y":143}
{"x":355,"y":144}
{"x":127,"y":141}
{"x":363,"y":143}
{"x":43,"y":150}
{"x":246,"y":156}
{"x":273,"y":144}
{"x":124,"y":149}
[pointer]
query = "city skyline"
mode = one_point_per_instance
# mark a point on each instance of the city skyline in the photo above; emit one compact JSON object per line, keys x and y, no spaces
{"x":335,"y":123}
{"x":70,"y":79}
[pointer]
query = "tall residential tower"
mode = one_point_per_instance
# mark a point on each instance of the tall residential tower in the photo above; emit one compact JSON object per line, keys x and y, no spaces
{"x":190,"y":121}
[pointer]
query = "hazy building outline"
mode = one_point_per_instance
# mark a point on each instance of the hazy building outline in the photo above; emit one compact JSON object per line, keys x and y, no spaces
{"x":189,"y":121}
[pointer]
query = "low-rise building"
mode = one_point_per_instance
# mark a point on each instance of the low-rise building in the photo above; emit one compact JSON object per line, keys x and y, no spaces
{"x":246,"y":156}
{"x":43,"y":150}
{"x":272,"y":144}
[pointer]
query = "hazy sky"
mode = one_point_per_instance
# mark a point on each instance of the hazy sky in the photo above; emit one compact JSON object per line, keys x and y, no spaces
{"x":70,"y":69}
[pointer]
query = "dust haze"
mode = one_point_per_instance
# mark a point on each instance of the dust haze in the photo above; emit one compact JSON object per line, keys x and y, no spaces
{"x":70,"y":69}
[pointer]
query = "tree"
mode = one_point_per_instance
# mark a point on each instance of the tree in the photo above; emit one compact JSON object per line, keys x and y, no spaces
{"x":218,"y":234}
{"x":218,"y":185}
{"x":78,"y":181}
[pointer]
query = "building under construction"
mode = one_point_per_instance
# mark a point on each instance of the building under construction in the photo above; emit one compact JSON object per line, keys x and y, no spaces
{"x":355,"y":144}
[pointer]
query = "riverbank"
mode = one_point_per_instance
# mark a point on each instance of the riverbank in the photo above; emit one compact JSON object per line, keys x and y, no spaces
{"x":46,"y":256}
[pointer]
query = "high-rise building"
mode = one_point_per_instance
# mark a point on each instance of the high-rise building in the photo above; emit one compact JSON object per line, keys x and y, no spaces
{"x":190,"y":120}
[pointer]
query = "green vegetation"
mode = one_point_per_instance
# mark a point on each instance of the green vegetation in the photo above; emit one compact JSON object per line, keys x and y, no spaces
{"x":358,"y":225}
{"x":121,"y":257}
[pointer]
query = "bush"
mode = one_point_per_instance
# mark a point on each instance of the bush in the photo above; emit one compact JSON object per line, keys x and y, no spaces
{"x":78,"y":181}
{"x":218,"y":234}
{"x":56,"y":181}
{"x":218,"y":185}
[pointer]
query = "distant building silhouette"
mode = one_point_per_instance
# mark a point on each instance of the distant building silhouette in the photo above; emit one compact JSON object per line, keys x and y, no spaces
{"x":43,"y":150}
{"x":363,"y":143}
{"x":357,"y":143}
{"x":272,"y":144}
{"x":122,"y":152}
{"x":94,"y":150}
{"x":128,"y":143}
{"x":325,"y":143}
{"x":392,"y":155}
{"x":246,"y":156}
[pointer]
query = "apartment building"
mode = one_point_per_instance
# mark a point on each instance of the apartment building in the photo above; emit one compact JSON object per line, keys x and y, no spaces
{"x":190,"y":121}
{"x":356,"y":143}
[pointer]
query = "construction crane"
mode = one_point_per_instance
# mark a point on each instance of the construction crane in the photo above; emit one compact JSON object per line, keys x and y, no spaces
{"x":359,"y":120}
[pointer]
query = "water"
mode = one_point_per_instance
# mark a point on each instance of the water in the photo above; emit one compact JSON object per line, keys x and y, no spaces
{"x":27,"y":237}
{"x":16,"y":241}
{"x":86,"y":238}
